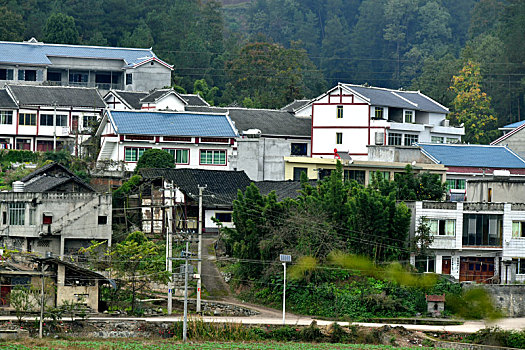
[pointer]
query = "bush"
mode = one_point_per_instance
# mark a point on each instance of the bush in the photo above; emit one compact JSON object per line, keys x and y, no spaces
{"x":155,"y":158}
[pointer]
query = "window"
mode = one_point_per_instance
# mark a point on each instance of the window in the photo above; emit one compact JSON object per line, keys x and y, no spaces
{"x":44,"y":146}
{"x":180,"y":156}
{"x":88,"y":121}
{"x":379,"y":113}
{"x":410,"y":139}
{"x":339,"y":112}
{"x":6,"y":74}
{"x":482,"y":229}
{"x":24,"y":144}
{"x":356,"y":175}
{"x":385,"y":175}
{"x":442,"y":227}
{"x":6,"y":117}
{"x":223,"y":217}
{"x":324,"y":173}
{"x":452,"y":140}
{"x":102,"y":220}
{"x":518,"y":229}
{"x":32,"y":216}
{"x":133,"y":154}
{"x":455,"y":184}
{"x":17,"y":213}
{"x":62,"y":120}
{"x":437,"y":139}
{"x":409,"y":117}
{"x":425,"y":263}
{"x":46,"y":119}
{"x":77,"y":77}
{"x":299,"y":149}
{"x":520,"y":266}
{"x":297,"y":171}
{"x":44,"y":243}
{"x":394,"y":139}
{"x":27,"y":74}
{"x":47,"y":219}
{"x":129,"y":79}
{"x":339,"y":138}
{"x":27,"y":119}
{"x":213,"y":157}
{"x":54,"y":76}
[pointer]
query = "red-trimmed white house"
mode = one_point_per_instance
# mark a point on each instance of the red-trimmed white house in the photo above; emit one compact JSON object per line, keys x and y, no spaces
{"x":351,"y":117}
{"x":196,"y":140}
{"x":161,"y":99}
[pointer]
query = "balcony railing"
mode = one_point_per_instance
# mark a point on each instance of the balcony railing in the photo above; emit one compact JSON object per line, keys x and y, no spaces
{"x":102,"y":86}
{"x":483,"y":206}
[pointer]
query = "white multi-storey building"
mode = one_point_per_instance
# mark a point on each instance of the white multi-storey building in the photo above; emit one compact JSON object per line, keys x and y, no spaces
{"x":348,"y":118}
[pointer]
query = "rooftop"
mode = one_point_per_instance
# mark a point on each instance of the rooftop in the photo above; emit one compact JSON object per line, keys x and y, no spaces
{"x":482,"y":156}
{"x":38,"y":53}
{"x":31,"y":95}
{"x":171,"y":124}
{"x":221,"y":185}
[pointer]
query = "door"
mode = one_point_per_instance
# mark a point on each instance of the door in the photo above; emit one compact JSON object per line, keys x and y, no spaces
{"x":446,"y":265}
{"x":476,"y":269}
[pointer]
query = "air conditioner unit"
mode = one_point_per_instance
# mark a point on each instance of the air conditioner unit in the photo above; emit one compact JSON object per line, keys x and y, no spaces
{"x":380,"y":138}
{"x":446,"y":122}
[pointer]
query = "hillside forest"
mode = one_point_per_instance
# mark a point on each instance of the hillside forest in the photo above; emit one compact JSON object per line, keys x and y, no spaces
{"x":265,"y":53}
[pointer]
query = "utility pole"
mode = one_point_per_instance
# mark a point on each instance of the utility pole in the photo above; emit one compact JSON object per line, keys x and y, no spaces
{"x":185,"y":323}
{"x":42,"y":300}
{"x":199,"y":256}
{"x":284,"y":259}
{"x":169,"y":250}
{"x":54,"y":127}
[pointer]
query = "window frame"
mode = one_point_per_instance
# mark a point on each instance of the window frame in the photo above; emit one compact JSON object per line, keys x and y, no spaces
{"x":521,"y":230}
{"x":213,"y":157}
{"x":408,"y":137}
{"x":441,"y":227}
{"x":412,"y":114}
{"x":379,"y":113}
{"x":394,"y":136}
{"x":437,"y":139}
{"x":9,"y":74}
{"x":27,"y":117}
{"x":16,"y":213}
{"x":339,"y":112}
{"x":300,"y":146}
{"x":224,"y":213}
{"x":137,"y":155}
{"x":338,"y":138}
{"x":6,"y":117}
{"x":173,"y":152}
{"x":46,"y":119}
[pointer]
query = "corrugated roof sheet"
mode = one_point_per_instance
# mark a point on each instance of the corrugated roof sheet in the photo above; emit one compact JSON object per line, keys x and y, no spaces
{"x":172,"y":124}
{"x":482,"y":156}
{"x":39,"y":53}
{"x":515,"y":125}
{"x":398,"y":98}
{"x":35,"y":95}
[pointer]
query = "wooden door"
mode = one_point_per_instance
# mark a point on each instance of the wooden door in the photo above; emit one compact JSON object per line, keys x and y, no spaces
{"x":476,"y":269}
{"x":446,"y":266}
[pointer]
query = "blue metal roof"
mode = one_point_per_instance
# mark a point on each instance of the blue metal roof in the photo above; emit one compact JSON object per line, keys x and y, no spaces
{"x":482,"y":156}
{"x":172,"y":124}
{"x":515,"y":125}
{"x":39,"y":53}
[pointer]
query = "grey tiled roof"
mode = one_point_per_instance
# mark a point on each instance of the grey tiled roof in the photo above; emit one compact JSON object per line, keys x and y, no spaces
{"x":221,"y":185}
{"x":6,"y":101}
{"x":291,"y":107}
{"x":154,"y":95}
{"x":50,"y":176}
{"x":195,"y":100}
{"x":269,"y":121}
{"x":283,"y":189}
{"x":398,"y":98}
{"x":132,"y":98}
{"x":28,"y":95}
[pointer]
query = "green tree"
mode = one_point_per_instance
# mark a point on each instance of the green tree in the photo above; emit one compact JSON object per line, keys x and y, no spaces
{"x":421,"y":186}
{"x":141,"y":37}
{"x":61,"y":29}
{"x":155,"y":158}
{"x":137,"y":262}
{"x":471,"y":106}
{"x":11,"y":25}
{"x":201,"y":88}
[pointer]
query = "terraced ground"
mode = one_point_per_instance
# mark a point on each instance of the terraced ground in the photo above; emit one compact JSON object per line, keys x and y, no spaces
{"x":170,"y":345}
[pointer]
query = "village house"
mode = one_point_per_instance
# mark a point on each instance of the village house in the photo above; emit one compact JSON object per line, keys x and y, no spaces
{"x":513,"y":137}
{"x":463,"y":162}
{"x":196,"y":140}
{"x":348,"y":118}
{"x":473,"y":241}
{"x":159,"y":99}
{"x":52,"y":212}
{"x":46,"y":118}
{"x":37,"y":63}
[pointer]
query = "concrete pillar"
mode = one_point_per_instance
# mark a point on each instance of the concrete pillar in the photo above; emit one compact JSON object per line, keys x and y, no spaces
{"x":439,"y":264}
